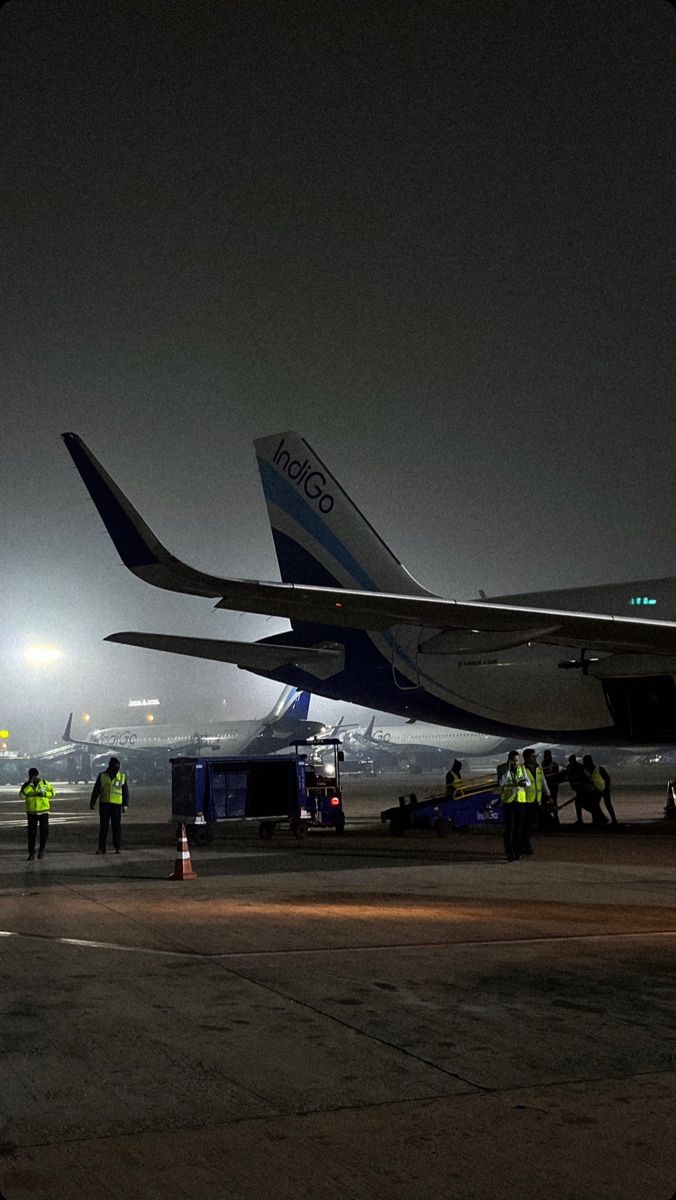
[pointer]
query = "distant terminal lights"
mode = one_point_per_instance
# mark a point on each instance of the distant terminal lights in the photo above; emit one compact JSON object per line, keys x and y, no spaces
{"x":153,"y":703}
{"x":642,"y":600}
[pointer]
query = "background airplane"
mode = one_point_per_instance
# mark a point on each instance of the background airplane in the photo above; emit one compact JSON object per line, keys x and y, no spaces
{"x":151,"y":746}
{"x":146,"y":750}
{"x":563,"y":666}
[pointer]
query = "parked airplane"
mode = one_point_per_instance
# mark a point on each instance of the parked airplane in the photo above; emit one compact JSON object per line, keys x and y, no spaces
{"x":418,"y":746}
{"x":284,"y":724}
{"x":561,"y":666}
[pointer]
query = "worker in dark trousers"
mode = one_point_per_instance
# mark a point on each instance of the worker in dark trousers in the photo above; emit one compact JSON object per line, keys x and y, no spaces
{"x":536,"y":796}
{"x":601,"y":781}
{"x":587,"y":792}
{"x":453,"y":780}
{"x":606,"y":796}
{"x":514,"y":784}
{"x":112,"y":792}
{"x":37,"y":793}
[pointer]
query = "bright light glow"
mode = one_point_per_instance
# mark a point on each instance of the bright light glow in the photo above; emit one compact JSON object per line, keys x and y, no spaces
{"x":86,"y":717}
{"x":4,"y":733}
{"x":42,"y":656}
{"x":149,"y":717}
{"x":142,"y":703}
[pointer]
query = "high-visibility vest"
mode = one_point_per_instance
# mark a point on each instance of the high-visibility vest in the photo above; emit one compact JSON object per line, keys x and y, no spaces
{"x":515,"y":789}
{"x":37,"y":797}
{"x":598,"y":780}
{"x":111,"y":789}
{"x":535,"y":791}
{"x":454,"y":784}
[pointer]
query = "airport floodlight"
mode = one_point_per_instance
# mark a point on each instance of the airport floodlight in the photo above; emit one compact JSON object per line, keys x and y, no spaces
{"x":4,"y":734}
{"x":149,"y":717}
{"x":42,"y":656}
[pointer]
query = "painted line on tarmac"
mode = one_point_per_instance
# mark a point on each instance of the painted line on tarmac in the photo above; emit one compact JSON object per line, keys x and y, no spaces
{"x":217,"y":956}
{"x":91,"y":945}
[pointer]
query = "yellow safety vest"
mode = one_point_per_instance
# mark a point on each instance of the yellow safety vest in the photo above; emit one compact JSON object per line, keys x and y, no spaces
{"x":535,"y":792}
{"x":37,"y":798}
{"x":111,"y":789}
{"x":515,"y":790}
{"x":454,"y":785}
{"x":598,"y":780}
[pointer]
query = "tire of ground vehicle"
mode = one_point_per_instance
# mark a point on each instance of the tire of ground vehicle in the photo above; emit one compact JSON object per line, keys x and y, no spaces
{"x":339,"y":824}
{"x":266,"y":830}
{"x":299,"y":829}
{"x":442,"y":827}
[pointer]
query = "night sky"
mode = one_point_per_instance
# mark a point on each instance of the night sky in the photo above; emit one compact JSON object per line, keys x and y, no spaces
{"x":436,"y":239}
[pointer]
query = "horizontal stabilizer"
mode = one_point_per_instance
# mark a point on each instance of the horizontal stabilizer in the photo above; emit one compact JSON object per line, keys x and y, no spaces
{"x":251,"y":656}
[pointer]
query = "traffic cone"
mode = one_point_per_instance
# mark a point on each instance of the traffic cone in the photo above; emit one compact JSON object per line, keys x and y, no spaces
{"x":183,"y":867}
{"x":670,"y":806}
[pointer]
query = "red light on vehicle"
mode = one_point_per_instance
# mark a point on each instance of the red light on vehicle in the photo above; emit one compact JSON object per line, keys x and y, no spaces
{"x":335,"y":801}
{"x":338,"y":604}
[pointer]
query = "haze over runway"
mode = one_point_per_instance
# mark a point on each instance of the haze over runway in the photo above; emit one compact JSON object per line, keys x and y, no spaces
{"x":436,"y":241}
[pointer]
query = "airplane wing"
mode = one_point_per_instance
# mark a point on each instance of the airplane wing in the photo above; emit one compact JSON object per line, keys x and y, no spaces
{"x":251,"y":656}
{"x":451,"y":626}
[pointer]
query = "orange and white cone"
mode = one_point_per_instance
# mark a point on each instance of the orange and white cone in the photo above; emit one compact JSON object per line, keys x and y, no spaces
{"x":183,"y":867}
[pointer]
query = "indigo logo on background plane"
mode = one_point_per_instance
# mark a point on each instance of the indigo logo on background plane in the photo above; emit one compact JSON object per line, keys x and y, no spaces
{"x":566,"y":666}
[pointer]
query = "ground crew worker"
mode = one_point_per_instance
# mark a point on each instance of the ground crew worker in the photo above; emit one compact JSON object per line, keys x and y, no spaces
{"x":112,"y":793}
{"x":454,"y":780}
{"x":537,"y":792}
{"x":606,"y":796}
{"x":37,"y":794}
{"x":587,"y":793}
{"x":601,"y":781}
{"x":514,"y":785}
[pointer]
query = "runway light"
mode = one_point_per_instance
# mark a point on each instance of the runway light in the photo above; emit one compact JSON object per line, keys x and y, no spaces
{"x":42,"y":656}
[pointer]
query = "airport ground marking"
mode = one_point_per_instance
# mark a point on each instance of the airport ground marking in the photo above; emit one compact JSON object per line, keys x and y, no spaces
{"x":224,"y":961}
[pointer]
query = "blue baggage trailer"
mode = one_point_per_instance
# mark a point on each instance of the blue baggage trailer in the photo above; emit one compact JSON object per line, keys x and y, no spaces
{"x":474,"y":803}
{"x":273,"y":790}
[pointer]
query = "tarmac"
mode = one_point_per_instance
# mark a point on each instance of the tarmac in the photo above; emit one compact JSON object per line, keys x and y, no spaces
{"x":356,"y":1016}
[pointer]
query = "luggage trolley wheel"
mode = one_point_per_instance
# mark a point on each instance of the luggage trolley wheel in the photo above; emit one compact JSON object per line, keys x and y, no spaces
{"x":266,"y":829}
{"x":442,"y":827}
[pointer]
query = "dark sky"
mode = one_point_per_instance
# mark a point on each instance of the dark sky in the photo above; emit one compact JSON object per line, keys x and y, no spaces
{"x":436,"y":239}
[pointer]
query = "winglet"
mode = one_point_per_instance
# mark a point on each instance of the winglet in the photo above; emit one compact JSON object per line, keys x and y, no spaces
{"x":140,"y":550}
{"x":134,"y":540}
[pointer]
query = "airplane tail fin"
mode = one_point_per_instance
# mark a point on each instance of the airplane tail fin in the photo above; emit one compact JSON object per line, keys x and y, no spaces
{"x":284,"y":705}
{"x":320,"y":535}
{"x":66,"y":736}
{"x":367,"y":735}
{"x":298,"y":711}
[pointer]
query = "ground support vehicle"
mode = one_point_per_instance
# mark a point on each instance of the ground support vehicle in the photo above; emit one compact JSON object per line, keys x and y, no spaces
{"x":475,"y":803}
{"x":274,"y":790}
